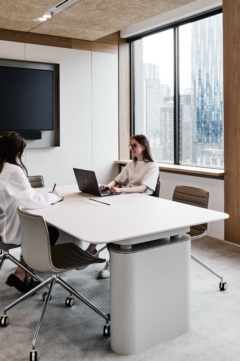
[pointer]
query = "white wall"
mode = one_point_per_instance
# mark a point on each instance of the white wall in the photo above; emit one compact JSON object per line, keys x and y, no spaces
{"x":105,"y":119}
{"x":88,"y":112}
{"x":215,"y":187}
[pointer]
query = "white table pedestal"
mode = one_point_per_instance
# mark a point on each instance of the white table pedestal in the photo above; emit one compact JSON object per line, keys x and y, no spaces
{"x":150,"y":293}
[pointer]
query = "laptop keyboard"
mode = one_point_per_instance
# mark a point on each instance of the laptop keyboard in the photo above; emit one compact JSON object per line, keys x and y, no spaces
{"x":105,"y":192}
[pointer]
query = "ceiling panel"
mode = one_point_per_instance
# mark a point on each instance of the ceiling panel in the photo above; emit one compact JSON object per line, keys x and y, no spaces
{"x":16,"y":24}
{"x":27,"y":9}
{"x":19,"y":14}
{"x":80,"y":34}
{"x":106,"y":18}
{"x":162,"y":5}
{"x":86,"y":20}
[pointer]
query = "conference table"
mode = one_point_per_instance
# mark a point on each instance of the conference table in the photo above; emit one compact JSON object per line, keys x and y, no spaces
{"x":150,"y":259}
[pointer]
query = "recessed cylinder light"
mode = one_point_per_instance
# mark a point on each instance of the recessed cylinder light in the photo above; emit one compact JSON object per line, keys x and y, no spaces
{"x":42,"y":19}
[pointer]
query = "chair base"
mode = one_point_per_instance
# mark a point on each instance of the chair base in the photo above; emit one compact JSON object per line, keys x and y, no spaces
{"x":7,"y":256}
{"x":102,"y":249}
{"x":222,"y":285}
{"x":51,"y":281}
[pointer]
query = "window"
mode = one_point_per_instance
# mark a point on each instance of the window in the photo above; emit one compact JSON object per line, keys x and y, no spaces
{"x":177,"y":91}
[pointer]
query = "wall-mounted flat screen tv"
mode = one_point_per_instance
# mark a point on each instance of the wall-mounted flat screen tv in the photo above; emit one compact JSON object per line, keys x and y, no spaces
{"x":29,"y":95}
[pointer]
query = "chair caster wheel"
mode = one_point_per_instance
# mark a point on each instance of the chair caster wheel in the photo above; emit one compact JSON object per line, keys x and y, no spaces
{"x":33,"y":356}
{"x":44,"y":295}
{"x":223,"y":287}
{"x":106,"y":331}
{"x":4,"y":321}
{"x":69,"y":301}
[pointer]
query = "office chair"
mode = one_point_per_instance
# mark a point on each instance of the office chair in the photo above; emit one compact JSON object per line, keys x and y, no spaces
{"x":197,"y":197}
{"x":36,"y":181}
{"x":54,"y":260}
{"x":6,"y":255}
{"x":156,"y":192}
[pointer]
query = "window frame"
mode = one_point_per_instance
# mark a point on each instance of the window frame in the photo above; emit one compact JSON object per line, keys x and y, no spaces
{"x":175,"y":26}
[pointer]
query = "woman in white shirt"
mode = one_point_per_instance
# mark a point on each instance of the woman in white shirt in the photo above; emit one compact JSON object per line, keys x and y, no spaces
{"x":16,"y":190}
{"x":139,"y":176}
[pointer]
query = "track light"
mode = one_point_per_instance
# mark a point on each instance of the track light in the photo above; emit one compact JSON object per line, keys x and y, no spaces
{"x":63,"y":5}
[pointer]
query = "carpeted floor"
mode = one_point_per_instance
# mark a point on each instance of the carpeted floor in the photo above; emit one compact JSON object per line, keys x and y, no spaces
{"x":76,"y":333}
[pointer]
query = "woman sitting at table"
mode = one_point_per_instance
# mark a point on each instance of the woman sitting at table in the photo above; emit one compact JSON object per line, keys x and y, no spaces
{"x":16,"y":190}
{"x":138,"y":176}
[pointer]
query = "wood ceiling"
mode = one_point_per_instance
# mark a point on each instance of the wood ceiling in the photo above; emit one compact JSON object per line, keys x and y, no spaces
{"x":85,"y":20}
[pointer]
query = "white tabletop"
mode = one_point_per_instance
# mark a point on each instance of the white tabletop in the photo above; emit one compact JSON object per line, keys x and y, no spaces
{"x":128,"y":219}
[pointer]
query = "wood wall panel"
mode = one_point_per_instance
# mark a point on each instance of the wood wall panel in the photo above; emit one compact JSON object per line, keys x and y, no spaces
{"x":106,"y":45}
{"x":94,"y":46}
{"x":124,"y":98}
{"x":109,"y":39}
{"x":231,"y":40}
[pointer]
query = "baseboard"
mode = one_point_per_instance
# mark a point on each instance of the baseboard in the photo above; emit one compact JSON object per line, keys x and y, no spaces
{"x":216,"y":236}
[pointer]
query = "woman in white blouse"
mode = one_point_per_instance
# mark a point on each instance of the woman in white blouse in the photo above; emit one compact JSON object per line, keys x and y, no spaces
{"x":16,"y":190}
{"x":138,"y":176}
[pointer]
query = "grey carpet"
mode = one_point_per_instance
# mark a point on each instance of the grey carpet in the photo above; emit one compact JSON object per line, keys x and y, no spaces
{"x":76,"y":333}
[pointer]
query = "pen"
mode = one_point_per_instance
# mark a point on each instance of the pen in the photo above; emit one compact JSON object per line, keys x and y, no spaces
{"x":54,"y":187}
{"x":91,"y":199}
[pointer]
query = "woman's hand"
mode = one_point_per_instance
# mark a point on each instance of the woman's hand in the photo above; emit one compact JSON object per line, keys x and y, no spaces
{"x":54,"y":192}
{"x":103,"y":186}
{"x":115,"y":190}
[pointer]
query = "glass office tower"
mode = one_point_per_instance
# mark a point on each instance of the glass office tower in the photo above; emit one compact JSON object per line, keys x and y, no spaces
{"x":201,"y":106}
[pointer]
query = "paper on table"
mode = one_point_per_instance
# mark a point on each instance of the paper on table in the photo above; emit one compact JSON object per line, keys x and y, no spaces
{"x":58,"y":200}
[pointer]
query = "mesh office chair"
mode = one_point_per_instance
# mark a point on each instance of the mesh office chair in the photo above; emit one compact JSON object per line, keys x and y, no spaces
{"x":197,"y":197}
{"x":54,"y":260}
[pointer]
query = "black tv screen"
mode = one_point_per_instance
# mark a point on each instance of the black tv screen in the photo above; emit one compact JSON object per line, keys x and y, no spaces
{"x":27,"y":96}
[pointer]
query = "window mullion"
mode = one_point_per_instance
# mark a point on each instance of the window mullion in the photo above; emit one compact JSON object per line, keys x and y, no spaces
{"x":132,"y":86}
{"x":176,"y":98}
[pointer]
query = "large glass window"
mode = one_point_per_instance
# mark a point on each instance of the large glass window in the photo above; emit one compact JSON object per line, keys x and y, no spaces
{"x":178,"y":92}
{"x":154,"y":82}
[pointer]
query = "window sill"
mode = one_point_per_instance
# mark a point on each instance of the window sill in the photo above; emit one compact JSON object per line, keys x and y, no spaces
{"x":181,"y":169}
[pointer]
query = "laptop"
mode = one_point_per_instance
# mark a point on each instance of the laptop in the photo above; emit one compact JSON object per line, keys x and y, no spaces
{"x":87,"y":183}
